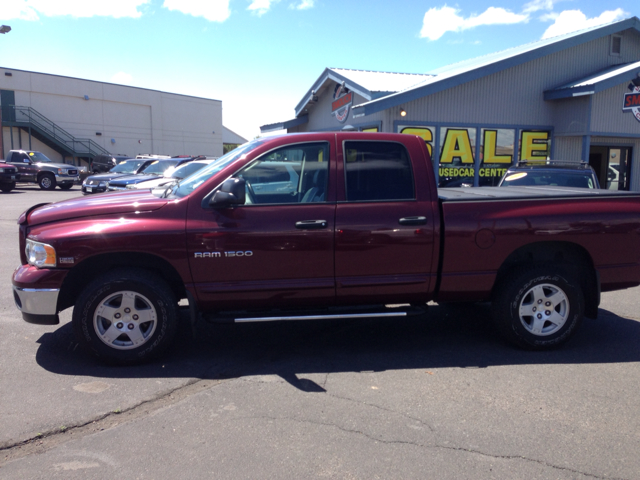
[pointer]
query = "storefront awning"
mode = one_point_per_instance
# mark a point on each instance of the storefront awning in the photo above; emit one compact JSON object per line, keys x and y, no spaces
{"x":596,"y":82}
{"x":284,"y":125}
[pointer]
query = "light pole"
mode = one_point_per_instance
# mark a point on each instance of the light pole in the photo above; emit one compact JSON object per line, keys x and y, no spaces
{"x":3,"y":29}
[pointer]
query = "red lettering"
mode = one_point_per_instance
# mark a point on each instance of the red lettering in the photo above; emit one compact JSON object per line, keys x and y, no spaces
{"x":341,"y":102}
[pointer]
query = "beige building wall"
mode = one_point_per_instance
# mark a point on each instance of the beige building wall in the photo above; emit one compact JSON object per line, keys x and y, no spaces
{"x":131,"y":120}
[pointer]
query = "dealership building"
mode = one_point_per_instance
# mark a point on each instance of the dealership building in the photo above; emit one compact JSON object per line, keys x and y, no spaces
{"x":574,"y":97}
{"x":73,"y":120}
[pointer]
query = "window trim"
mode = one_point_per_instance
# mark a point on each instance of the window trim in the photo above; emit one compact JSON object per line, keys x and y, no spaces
{"x":611,"y":43}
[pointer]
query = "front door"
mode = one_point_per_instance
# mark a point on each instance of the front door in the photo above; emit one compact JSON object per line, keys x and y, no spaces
{"x":277,"y":248}
{"x":27,"y":170}
{"x":612,"y":165}
{"x":384,"y":224}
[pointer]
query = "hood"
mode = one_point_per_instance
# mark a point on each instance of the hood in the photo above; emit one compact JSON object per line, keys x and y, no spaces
{"x":57,"y":165}
{"x":134,"y":179}
{"x":105,"y":204}
{"x":105,"y":177}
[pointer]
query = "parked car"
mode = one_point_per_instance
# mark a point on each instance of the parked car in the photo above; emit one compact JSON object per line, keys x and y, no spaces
{"x":361,"y":238}
{"x":550,"y":173}
{"x":154,"y":170}
{"x":99,"y":183}
{"x":36,"y":167}
{"x":171,"y":175}
{"x":103,"y":162}
{"x":8,"y":177}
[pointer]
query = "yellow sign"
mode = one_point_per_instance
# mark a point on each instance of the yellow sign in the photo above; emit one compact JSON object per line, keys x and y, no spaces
{"x":457,"y":145}
{"x":534,"y":145}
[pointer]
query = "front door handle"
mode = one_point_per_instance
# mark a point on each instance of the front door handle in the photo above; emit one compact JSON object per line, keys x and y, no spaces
{"x":311,"y":224}
{"x":413,"y":221}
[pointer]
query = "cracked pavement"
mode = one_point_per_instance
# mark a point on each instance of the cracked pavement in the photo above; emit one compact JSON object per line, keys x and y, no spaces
{"x":438,"y":396}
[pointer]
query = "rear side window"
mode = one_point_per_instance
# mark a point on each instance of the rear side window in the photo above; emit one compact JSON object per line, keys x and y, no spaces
{"x":377,"y":171}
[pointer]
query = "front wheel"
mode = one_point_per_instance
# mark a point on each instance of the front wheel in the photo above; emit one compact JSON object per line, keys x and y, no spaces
{"x":47,"y":181}
{"x":126,"y":316}
{"x":538,"y":307}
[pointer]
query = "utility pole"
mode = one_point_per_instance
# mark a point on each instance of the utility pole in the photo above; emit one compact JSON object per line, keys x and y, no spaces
{"x":3,"y":29}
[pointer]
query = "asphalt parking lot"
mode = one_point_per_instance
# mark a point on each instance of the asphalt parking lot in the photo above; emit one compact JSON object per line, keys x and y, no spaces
{"x":437,"y":396}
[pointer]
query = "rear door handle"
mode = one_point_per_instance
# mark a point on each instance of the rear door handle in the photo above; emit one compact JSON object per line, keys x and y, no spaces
{"x":413,"y":221}
{"x":311,"y":224}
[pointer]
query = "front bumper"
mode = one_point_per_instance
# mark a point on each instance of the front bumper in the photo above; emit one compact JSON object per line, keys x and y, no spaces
{"x":36,"y":291}
{"x":38,"y":305}
{"x":62,"y":179}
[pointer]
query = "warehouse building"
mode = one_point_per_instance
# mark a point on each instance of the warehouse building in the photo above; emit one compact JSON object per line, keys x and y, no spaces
{"x":575,"y":98}
{"x":73,"y":120}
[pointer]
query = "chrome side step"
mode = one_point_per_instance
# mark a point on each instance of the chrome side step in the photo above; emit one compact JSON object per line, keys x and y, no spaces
{"x":321,"y":317}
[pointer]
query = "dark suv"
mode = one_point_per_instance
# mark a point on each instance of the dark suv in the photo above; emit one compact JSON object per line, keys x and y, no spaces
{"x":36,"y":167}
{"x":550,"y":173}
{"x":103,"y":163}
{"x":8,"y":177}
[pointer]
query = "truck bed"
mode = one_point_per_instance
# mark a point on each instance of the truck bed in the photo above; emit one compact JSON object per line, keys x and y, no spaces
{"x":475,"y":194}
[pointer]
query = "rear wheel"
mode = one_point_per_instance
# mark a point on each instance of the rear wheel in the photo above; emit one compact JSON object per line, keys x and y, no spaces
{"x":126,"y":316}
{"x":7,"y":187}
{"x":538,"y":307}
{"x":47,"y":181}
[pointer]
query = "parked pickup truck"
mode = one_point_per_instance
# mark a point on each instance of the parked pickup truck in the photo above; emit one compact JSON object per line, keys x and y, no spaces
{"x":36,"y":167}
{"x":358,"y":226}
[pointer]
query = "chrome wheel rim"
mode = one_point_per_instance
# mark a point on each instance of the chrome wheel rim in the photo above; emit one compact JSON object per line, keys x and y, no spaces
{"x":46,"y":182}
{"x":544,"y":309}
{"x":125,"y":320}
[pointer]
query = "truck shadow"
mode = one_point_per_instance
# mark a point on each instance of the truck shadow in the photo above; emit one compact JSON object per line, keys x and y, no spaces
{"x":447,"y":337}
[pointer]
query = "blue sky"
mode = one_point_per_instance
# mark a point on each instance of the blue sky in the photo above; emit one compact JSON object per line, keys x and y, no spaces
{"x":261,"y":56}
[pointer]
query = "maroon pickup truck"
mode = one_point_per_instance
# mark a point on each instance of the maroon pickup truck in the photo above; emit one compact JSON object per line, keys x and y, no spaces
{"x":317,"y":226}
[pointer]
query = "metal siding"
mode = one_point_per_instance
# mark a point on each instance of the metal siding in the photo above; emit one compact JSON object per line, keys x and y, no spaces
{"x":625,"y":142}
{"x":568,"y":149}
{"x":571,"y":115}
{"x":515,"y":96}
{"x":607,"y":115}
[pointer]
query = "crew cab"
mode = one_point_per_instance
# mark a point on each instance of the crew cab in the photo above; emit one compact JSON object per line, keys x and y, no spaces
{"x":360,"y":230}
{"x":36,"y":167}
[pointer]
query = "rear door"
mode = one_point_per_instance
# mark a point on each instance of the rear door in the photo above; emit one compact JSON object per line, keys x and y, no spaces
{"x":384,"y":223}
{"x":277,"y":249}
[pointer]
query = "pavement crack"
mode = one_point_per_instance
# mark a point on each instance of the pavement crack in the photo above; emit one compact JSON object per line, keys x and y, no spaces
{"x":50,"y":439}
{"x":435,"y":446}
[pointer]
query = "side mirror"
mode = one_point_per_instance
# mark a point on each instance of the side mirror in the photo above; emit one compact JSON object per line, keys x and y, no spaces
{"x":231,"y":192}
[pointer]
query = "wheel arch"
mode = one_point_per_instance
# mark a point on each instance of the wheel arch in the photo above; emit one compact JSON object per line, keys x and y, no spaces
{"x":87,"y":270}
{"x":571,"y":255}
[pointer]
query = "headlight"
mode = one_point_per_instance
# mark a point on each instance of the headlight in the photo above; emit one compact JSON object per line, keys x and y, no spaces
{"x":132,"y":187}
{"x":103,"y":184}
{"x":40,"y":254}
{"x":63,"y":171}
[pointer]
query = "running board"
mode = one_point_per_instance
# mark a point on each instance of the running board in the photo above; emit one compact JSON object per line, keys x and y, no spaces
{"x":320,"y":317}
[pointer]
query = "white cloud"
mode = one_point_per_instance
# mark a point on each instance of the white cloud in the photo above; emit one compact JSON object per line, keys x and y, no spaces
{"x":212,"y":10}
{"x":537,"y":5}
{"x":438,"y":21}
{"x":122,"y":78}
{"x":303,"y":5}
{"x":260,"y":7}
{"x":32,"y":9}
{"x":573,"y":20}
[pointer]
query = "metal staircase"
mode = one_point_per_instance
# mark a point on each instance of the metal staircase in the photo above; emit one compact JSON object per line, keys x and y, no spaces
{"x":36,"y":124}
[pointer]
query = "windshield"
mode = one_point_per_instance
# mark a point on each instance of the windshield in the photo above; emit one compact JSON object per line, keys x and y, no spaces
{"x":38,"y":157}
{"x":558,"y":179}
{"x":189,"y":184}
{"x":130,"y":166}
{"x":158,"y":167}
{"x":185,"y":170}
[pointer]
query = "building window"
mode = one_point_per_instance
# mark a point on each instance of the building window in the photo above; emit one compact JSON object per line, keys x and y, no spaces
{"x":616,"y":45}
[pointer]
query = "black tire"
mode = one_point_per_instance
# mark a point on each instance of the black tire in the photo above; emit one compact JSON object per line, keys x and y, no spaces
{"x":47,"y":181}
{"x":66,"y":186}
{"x":7,"y":187}
{"x":538,"y":307}
{"x":116,"y":295}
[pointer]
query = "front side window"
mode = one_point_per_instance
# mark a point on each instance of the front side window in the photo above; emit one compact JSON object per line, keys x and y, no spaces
{"x":377,"y":171}
{"x":293,"y":174}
